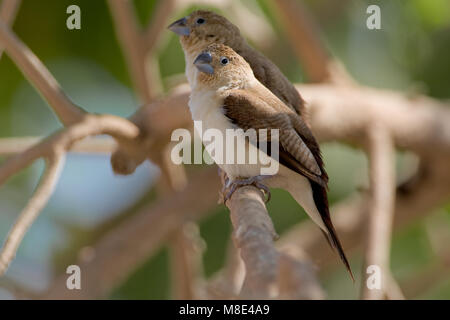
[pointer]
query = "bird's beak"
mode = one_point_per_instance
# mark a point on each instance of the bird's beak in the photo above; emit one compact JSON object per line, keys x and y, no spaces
{"x":202,"y":62}
{"x":180,"y":27}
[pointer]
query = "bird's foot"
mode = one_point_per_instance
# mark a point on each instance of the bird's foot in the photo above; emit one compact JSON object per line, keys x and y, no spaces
{"x":231,"y":186}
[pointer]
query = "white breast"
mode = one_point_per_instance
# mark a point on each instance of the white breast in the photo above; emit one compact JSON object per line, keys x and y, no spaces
{"x":206,"y":106}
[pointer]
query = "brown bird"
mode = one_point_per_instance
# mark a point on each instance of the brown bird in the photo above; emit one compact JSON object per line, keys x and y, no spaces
{"x":202,"y":28}
{"x":225,"y":95}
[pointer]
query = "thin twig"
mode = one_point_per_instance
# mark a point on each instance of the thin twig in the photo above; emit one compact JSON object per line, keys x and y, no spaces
{"x":11,"y":146}
{"x":306,"y":40}
{"x":304,"y":37}
{"x":158,"y":23}
{"x":119,"y":128}
{"x":133,"y":44}
{"x":31,"y":211}
{"x":8,"y":12}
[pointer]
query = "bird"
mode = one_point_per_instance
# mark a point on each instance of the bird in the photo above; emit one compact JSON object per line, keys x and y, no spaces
{"x":225,"y":95}
{"x":202,"y":27}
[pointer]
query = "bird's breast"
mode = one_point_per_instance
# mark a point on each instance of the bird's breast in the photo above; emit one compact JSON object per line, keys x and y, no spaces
{"x":211,"y":126}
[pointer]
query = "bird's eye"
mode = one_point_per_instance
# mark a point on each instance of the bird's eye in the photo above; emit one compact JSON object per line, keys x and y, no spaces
{"x":224,"y":60}
{"x":201,"y":21}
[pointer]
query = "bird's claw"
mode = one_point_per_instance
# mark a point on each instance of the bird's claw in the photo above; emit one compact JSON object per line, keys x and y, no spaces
{"x":231,"y":185}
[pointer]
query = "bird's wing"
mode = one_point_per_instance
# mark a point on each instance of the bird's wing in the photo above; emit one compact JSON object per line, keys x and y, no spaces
{"x":298,"y":150}
{"x":273,"y":79}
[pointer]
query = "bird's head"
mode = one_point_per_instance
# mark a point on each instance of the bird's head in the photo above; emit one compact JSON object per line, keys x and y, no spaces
{"x":202,"y":28}
{"x":219,"y":66}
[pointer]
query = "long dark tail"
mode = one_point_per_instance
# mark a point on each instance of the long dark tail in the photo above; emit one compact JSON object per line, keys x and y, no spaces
{"x":321,"y":201}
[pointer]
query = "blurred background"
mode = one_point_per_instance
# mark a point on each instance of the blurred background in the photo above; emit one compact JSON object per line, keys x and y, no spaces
{"x":410,"y":54}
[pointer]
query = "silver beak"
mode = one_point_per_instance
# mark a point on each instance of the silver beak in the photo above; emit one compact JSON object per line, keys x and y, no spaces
{"x":180,"y":27}
{"x":202,"y":62}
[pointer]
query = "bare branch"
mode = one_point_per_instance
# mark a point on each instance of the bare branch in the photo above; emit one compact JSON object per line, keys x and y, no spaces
{"x":8,"y":12}
{"x":295,"y":279}
{"x":227,"y":283}
{"x":132,"y":43}
{"x":382,"y":186}
{"x":340,"y":113}
{"x":119,"y":128}
{"x":156,"y":122}
{"x":32,"y":210}
{"x":158,"y":23}
{"x":304,"y":35}
{"x":187,"y":265}
{"x":253,"y":235}
{"x":438,"y":271}
{"x":11,"y":146}
{"x":33,"y":69}
{"x":392,"y":288}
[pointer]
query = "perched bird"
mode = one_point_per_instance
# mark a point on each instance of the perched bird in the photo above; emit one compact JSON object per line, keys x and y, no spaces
{"x":202,"y":28}
{"x":226,"y":95}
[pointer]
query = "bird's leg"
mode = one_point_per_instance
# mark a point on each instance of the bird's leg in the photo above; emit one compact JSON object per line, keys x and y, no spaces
{"x":231,"y":185}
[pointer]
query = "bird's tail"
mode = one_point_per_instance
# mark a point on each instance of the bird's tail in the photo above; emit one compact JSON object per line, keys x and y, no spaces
{"x":321,"y":202}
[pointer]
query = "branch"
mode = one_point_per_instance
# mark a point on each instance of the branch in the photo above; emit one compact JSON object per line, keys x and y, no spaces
{"x":227,"y":283}
{"x":382,"y":184}
{"x":253,"y":235}
{"x":392,"y":289}
{"x":8,"y":12}
{"x":438,"y":271}
{"x":11,"y":146}
{"x":119,"y":128}
{"x":31,"y":211}
{"x":156,"y":122}
{"x":304,"y":35}
{"x":132,"y":43}
{"x":186,"y":248}
{"x":419,"y":124}
{"x":33,"y":69}
{"x":294,"y":278}
{"x":158,"y":23}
